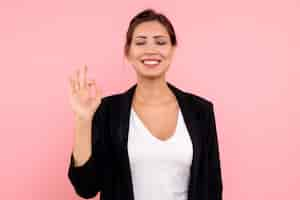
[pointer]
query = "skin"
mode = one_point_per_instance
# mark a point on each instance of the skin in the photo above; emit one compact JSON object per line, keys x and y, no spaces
{"x":153,"y":100}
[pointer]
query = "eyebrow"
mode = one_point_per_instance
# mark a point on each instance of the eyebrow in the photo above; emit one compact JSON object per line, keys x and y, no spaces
{"x":156,"y":36}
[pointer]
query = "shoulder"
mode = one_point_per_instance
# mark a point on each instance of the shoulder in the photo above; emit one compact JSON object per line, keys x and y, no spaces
{"x":106,"y":102}
{"x":200,"y":102}
{"x":111,"y":100}
{"x":204,"y":107}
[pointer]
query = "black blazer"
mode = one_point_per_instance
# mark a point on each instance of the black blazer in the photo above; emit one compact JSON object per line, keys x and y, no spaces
{"x":108,"y":169}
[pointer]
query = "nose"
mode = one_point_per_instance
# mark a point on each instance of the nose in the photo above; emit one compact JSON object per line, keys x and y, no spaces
{"x":150,"y":48}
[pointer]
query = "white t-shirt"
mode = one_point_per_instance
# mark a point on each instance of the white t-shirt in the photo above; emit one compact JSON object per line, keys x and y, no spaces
{"x":160,"y":169}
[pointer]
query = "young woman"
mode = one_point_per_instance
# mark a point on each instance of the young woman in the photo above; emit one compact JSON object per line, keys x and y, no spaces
{"x":151,"y":142}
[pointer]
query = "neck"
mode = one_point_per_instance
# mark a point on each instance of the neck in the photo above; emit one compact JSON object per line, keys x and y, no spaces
{"x":152,"y":91}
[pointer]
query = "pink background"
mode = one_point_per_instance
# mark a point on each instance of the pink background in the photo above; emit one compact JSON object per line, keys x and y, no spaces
{"x":244,"y":56}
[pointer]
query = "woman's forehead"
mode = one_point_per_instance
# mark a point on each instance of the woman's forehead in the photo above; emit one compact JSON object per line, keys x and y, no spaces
{"x":153,"y":29}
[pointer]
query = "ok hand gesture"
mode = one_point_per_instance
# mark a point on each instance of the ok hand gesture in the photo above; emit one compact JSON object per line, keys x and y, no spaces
{"x":82,"y":103}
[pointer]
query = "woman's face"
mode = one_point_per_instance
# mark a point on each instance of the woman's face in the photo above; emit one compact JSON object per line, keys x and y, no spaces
{"x":150,"y":51}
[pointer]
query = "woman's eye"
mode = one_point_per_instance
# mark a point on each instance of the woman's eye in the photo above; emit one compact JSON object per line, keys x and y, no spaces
{"x":161,"y":43}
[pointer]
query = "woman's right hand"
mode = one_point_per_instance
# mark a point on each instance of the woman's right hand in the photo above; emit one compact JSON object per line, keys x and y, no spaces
{"x":82,"y":103}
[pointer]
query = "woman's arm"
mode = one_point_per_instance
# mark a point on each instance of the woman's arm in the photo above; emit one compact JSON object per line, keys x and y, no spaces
{"x":86,"y":176}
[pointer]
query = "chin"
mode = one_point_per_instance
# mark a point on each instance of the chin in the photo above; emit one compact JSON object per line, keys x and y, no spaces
{"x":152,"y":75}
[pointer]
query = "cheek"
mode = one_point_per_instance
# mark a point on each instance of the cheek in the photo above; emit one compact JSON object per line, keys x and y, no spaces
{"x":135,"y":54}
{"x":166,"y":52}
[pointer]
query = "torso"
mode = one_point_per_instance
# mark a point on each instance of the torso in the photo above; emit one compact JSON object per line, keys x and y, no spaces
{"x":161,"y":120}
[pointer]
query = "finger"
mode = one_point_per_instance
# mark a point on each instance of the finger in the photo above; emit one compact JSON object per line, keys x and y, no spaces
{"x":90,"y":83}
{"x":71,"y":84}
{"x":85,"y":76}
{"x":77,"y":81}
{"x":81,"y":78}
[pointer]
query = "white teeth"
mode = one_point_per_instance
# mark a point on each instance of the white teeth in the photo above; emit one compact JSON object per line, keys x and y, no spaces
{"x":148,"y":62}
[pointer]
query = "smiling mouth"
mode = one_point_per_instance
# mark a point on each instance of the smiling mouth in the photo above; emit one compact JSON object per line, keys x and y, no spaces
{"x":151,"y":63}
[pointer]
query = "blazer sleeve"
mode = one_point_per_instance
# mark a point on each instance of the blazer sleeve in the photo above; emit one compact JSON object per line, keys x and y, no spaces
{"x":87,"y":179}
{"x":214,"y":175}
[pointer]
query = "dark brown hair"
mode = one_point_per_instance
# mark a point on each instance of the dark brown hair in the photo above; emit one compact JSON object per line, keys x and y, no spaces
{"x":145,"y":16}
